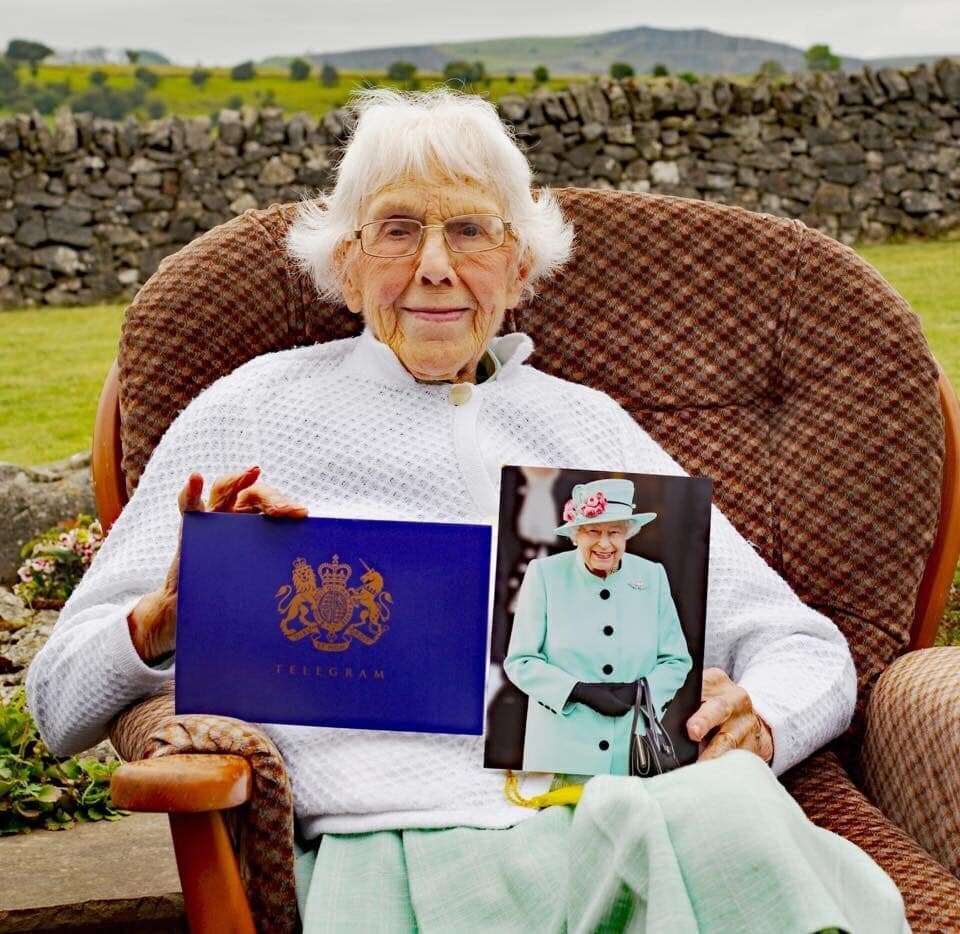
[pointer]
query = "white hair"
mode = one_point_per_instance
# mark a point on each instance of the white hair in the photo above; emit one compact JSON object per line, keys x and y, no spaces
{"x":436,"y":134}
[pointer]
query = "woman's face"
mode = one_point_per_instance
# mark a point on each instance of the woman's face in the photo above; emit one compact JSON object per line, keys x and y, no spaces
{"x":601,"y":545}
{"x":437,"y":310}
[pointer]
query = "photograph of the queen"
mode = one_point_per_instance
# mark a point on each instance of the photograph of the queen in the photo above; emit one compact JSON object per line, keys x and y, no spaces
{"x":589,"y":623}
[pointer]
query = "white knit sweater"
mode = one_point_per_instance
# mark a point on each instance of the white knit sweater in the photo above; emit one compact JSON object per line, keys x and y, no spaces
{"x":344,"y":429}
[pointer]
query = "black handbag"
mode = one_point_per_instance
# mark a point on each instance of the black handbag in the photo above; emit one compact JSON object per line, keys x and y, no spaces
{"x":652,"y":753}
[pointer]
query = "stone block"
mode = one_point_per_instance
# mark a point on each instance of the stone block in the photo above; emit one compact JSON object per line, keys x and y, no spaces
{"x":665,"y":173}
{"x":920,"y":202}
{"x":830,"y":198}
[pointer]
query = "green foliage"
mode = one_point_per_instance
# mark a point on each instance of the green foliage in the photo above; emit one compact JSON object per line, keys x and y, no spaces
{"x":133,"y":56}
{"x":329,"y":76}
{"x":234,"y":102}
{"x":9,"y":81}
{"x":820,"y":58}
{"x":771,"y":68}
{"x":146,"y":77}
{"x":689,"y":77}
{"x":245,"y":71}
{"x":659,"y":70}
{"x":621,"y":70}
{"x":299,"y":69}
{"x":56,"y":560}
{"x":463,"y":73}
{"x":98,"y":78}
{"x":104,"y":101}
{"x":541,"y":74}
{"x":38,"y":789}
{"x":156,"y":109}
{"x":28,"y":52}
{"x":199,"y":77}
{"x":401,"y":71}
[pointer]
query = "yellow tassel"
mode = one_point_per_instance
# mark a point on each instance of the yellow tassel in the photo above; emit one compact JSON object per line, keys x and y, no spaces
{"x":567,"y":794}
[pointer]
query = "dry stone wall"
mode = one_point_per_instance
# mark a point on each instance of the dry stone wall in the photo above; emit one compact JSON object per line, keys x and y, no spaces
{"x":88,"y":210}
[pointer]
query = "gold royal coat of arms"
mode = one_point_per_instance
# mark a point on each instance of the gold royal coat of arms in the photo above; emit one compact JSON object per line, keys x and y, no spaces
{"x":326,"y":612}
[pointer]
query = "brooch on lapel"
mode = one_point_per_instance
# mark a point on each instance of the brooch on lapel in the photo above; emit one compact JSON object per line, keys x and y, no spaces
{"x":638,"y":585}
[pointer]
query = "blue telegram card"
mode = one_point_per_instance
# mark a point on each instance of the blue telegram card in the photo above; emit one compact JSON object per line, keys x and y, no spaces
{"x":333,"y":622}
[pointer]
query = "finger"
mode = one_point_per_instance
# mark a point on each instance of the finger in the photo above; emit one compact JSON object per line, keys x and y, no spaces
{"x":739,"y":732}
{"x":224,"y":492}
{"x":269,"y":502}
{"x":191,"y":496}
{"x":712,"y":713}
{"x":714,"y":681}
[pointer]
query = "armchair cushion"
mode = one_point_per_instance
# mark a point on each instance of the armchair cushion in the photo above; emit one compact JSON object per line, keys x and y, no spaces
{"x":263,"y":827}
{"x":911,"y":751}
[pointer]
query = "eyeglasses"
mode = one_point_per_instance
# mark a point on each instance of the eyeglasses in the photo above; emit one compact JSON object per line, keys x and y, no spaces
{"x":403,"y":236}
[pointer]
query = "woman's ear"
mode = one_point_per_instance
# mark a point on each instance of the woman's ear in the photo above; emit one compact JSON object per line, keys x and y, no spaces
{"x":344,"y":265}
{"x":515,"y":290}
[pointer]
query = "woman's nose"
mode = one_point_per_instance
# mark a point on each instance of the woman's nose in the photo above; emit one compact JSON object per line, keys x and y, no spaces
{"x":434,"y":265}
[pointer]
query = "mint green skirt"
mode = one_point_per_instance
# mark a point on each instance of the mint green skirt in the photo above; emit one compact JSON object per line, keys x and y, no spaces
{"x":717,"y":847}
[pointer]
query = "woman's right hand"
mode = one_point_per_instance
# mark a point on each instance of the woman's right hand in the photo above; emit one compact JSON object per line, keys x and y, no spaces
{"x":153,"y":621}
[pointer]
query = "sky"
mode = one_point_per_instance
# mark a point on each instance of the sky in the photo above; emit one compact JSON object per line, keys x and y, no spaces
{"x":216,"y":32}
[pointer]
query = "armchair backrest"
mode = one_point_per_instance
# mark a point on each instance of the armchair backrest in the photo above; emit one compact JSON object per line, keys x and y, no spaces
{"x":755,"y":350}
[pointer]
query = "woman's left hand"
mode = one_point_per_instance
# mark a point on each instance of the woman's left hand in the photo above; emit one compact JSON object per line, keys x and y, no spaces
{"x":728,"y":711}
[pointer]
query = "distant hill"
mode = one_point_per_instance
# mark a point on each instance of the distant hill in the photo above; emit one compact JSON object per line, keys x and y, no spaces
{"x":701,"y":51}
{"x":698,"y":50}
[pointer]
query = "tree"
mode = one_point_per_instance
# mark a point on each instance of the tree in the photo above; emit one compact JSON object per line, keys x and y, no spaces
{"x":329,"y":76}
{"x":770,"y":68}
{"x":98,"y":77}
{"x":199,"y":77}
{"x":28,"y":52}
{"x":689,"y":77}
{"x":8,"y":78}
{"x":401,"y":71}
{"x":659,"y":70}
{"x":299,"y":70}
{"x":621,"y":70}
{"x":460,"y":72}
{"x":541,"y":75}
{"x":146,"y":77}
{"x":820,"y":58}
{"x":133,"y":56}
{"x":245,"y":71}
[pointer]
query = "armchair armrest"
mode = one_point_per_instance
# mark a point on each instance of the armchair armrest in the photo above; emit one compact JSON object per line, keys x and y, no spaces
{"x":911,"y":753}
{"x":182,"y":784}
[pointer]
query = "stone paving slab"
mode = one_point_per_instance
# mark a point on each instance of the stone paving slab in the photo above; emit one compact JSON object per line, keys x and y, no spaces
{"x":107,"y":876}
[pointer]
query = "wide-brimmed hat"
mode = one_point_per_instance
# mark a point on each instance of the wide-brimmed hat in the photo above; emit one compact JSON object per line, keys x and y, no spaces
{"x":606,"y":500}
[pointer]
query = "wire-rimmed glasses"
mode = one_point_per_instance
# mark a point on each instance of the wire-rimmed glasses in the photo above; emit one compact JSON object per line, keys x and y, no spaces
{"x":403,"y":236}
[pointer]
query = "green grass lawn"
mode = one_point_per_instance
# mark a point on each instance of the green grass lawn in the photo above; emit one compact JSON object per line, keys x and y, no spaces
{"x":52,"y":364}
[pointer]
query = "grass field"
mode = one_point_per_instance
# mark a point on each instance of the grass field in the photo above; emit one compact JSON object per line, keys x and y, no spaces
{"x":271,"y":85}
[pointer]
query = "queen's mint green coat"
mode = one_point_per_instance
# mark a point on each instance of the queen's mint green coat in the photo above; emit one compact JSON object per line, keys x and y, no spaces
{"x":570,"y":626}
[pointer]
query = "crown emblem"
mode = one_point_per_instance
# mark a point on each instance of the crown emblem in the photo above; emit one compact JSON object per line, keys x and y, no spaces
{"x":325,"y":613}
{"x":334,"y":574}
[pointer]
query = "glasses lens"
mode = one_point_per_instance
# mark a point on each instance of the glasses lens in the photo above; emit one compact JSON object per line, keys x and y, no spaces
{"x":396,"y":237}
{"x":473,"y":233}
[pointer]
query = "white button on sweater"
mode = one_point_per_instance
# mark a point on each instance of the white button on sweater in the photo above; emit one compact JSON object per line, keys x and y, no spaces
{"x":344,"y":429}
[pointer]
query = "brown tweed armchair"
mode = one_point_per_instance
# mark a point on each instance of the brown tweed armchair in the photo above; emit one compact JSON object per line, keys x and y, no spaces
{"x":756,"y":351}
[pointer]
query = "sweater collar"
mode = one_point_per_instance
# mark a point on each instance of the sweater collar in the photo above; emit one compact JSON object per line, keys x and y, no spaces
{"x":375,"y":360}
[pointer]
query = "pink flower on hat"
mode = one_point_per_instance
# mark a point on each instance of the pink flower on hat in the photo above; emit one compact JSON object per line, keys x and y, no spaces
{"x":569,"y":511}
{"x":594,"y":505}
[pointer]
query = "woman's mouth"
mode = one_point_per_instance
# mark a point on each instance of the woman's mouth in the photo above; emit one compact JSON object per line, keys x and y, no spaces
{"x":437,"y":314}
{"x":603,"y":555}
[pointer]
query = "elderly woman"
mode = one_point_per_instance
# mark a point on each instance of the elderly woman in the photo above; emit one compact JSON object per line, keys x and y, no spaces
{"x":588,"y":624}
{"x":431,"y":234}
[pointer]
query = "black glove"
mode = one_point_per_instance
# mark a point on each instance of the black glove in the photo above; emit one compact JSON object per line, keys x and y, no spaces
{"x":600,"y":697}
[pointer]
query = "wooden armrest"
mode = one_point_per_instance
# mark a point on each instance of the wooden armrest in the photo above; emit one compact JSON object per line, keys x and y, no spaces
{"x":182,"y":784}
